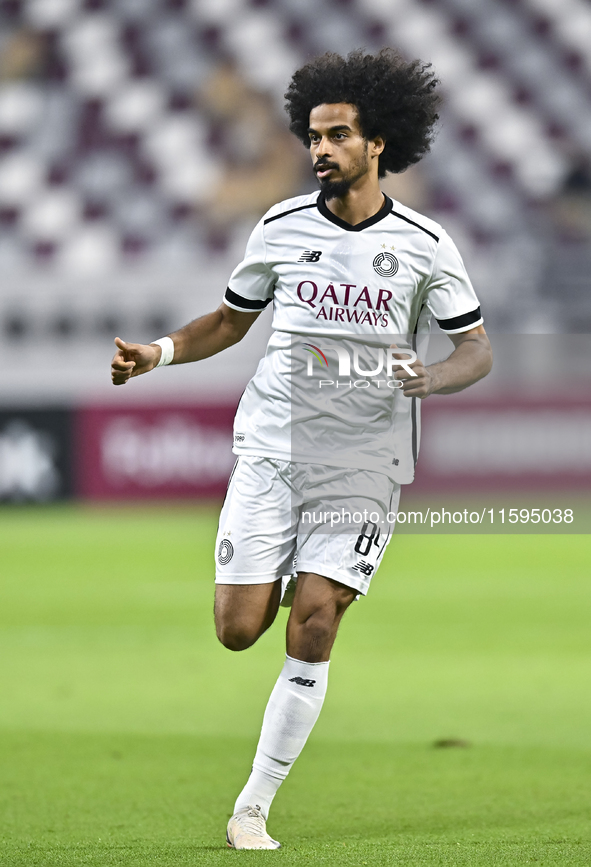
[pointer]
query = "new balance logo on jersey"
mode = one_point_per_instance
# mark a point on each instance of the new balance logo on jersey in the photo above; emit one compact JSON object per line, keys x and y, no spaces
{"x":302,"y":681}
{"x":364,"y":567}
{"x":310,"y":256}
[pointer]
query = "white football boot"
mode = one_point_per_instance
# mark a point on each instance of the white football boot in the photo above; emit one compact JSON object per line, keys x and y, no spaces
{"x":247,"y":830}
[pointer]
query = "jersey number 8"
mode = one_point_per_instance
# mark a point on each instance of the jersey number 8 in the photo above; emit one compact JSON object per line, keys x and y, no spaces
{"x":369,"y":533}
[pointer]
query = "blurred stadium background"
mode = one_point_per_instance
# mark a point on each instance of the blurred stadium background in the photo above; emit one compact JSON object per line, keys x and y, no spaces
{"x":140,"y":140}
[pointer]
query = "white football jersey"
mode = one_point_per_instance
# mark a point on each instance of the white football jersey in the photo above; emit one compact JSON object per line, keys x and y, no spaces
{"x":342,"y":295}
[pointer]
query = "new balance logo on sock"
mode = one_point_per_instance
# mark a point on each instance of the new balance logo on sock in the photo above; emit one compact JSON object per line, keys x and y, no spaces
{"x":302,"y":681}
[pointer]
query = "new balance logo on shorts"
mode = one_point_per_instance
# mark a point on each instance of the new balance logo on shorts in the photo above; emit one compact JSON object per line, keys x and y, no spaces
{"x":364,"y":567}
{"x":310,"y":256}
{"x":302,"y":681}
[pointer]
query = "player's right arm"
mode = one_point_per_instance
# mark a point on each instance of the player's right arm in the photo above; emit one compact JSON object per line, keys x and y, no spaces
{"x":199,"y":339}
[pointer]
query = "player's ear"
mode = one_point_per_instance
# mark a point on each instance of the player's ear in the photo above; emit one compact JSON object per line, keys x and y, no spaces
{"x":376,"y":146}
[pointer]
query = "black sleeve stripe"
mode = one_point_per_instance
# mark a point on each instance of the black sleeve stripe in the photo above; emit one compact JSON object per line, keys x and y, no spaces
{"x":460,"y":321}
{"x":247,"y":303}
{"x":285,"y":213}
{"x":412,"y":222}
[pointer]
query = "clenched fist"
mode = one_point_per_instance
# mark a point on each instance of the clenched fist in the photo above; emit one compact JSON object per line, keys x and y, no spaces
{"x":420,"y":383}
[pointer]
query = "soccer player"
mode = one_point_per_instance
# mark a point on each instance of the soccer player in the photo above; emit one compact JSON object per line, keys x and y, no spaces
{"x":354,"y":278}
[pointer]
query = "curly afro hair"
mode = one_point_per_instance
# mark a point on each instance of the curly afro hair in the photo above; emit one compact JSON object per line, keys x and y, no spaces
{"x":394,"y":99}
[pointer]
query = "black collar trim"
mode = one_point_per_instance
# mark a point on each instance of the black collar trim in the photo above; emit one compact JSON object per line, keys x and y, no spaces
{"x":359,"y":227}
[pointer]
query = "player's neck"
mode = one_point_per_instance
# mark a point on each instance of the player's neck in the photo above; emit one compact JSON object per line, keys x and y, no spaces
{"x":358,"y":204}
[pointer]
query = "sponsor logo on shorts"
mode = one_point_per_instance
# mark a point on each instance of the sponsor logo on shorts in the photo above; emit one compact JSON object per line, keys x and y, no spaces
{"x":364,"y":567}
{"x":225,"y":552}
{"x":302,"y":681}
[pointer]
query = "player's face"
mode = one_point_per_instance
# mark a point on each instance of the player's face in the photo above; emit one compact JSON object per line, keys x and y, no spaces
{"x":338,"y":149}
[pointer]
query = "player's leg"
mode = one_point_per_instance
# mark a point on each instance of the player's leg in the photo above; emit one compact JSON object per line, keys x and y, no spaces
{"x":255,"y":545}
{"x":334,"y":568}
{"x":296,"y":700}
{"x":318,"y":607}
{"x":244,"y":611}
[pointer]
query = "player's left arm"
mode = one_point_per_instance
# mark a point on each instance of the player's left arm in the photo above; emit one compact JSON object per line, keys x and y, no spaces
{"x":470,"y":361}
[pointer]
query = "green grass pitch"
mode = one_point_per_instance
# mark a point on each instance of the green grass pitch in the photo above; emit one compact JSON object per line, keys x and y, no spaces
{"x":126,"y":730}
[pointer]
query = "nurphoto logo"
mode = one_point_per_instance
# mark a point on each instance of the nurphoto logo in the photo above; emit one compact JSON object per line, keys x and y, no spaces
{"x":383,"y":362}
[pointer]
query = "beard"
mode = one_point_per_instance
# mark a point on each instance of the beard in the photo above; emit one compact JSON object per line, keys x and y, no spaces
{"x":338,"y":189}
{"x":334,"y":189}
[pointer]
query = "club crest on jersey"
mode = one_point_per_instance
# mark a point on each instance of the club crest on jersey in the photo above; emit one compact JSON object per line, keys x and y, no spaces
{"x":310,"y":256}
{"x":385,"y":264}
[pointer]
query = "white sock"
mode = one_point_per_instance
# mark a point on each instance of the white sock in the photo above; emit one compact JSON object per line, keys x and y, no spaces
{"x":292,"y":710}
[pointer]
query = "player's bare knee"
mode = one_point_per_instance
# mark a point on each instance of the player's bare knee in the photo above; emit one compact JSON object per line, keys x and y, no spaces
{"x":319,"y":623}
{"x":235,"y":633}
{"x":326,"y":611}
{"x":234,"y":637}
{"x":317,"y":631}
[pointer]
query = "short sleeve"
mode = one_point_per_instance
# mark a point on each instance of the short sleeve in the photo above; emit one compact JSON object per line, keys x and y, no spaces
{"x":252,"y":282}
{"x":450,"y":295}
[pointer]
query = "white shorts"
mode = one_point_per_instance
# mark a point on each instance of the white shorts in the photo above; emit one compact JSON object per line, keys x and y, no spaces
{"x":281,"y":517}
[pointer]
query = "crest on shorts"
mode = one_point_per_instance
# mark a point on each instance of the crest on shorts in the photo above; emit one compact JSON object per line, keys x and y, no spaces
{"x":225,"y":552}
{"x":385,"y":264}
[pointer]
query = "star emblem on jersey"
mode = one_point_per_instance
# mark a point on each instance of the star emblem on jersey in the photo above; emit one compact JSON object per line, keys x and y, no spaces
{"x":385,"y":264}
{"x":225,"y":552}
{"x":310,"y":256}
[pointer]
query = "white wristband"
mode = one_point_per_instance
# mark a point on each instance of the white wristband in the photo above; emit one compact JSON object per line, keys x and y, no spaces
{"x":167,"y":346}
